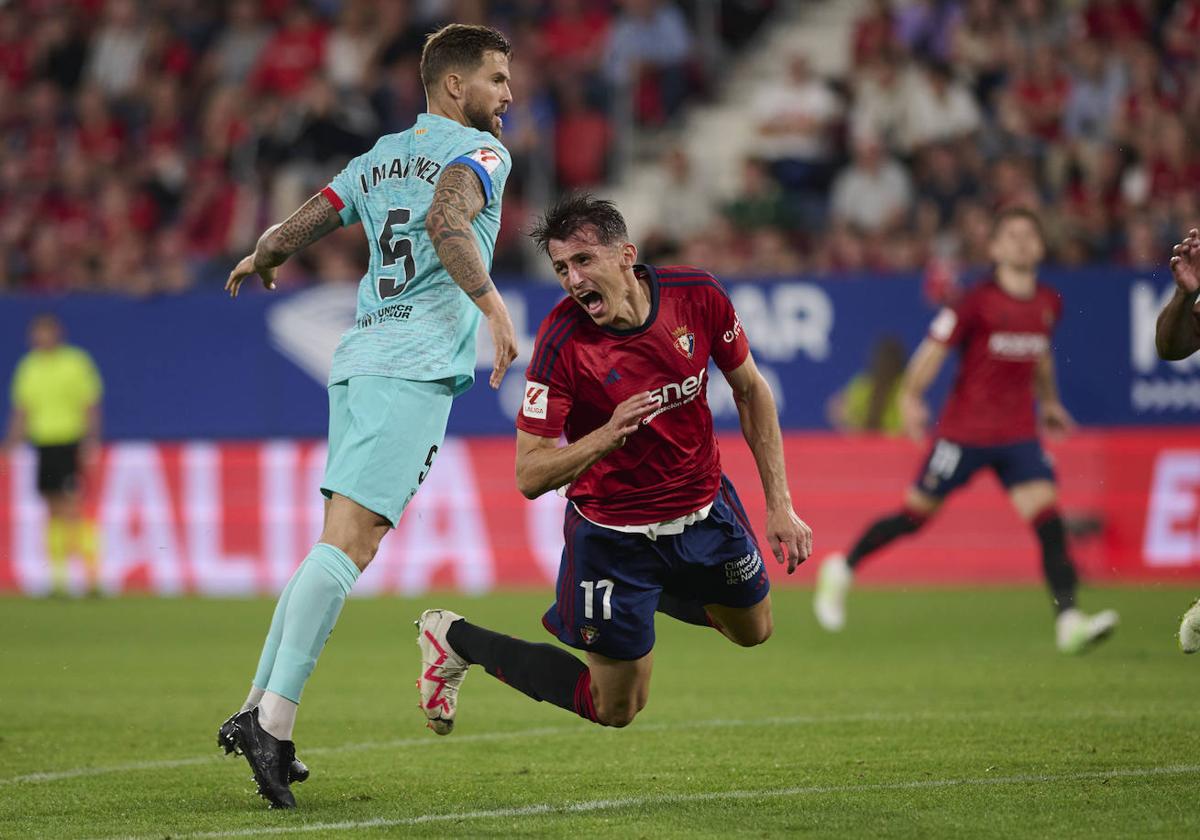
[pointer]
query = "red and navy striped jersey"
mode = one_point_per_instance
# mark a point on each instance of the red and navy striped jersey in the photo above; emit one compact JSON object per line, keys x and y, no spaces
{"x":580,"y":372}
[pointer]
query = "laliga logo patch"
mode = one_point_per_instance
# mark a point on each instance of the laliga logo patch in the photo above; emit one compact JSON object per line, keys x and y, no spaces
{"x":486,"y":158}
{"x":685,"y":341}
{"x":589,"y":633}
{"x":534,"y":404}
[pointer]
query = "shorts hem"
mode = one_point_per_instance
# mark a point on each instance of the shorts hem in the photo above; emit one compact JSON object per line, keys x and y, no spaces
{"x":327,"y":491}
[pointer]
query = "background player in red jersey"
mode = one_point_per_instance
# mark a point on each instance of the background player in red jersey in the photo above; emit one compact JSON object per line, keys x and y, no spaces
{"x":620,"y":369}
{"x":1177,"y":337}
{"x":1002,"y":330}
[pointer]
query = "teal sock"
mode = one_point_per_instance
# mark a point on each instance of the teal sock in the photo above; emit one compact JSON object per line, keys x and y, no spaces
{"x":266,"y":660}
{"x":318,"y":590}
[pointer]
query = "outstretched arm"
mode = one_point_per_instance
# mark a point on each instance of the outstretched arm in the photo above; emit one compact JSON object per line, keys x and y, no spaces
{"x":315,"y":218}
{"x":457,"y":200}
{"x":1177,"y":334}
{"x":790,"y":538}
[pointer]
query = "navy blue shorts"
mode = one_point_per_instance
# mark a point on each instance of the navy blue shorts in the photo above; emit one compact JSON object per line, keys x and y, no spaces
{"x":609,"y":581}
{"x":950,"y":465}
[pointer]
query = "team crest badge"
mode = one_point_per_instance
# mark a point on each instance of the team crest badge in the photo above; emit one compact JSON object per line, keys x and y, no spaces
{"x":589,"y":633}
{"x":685,"y":341}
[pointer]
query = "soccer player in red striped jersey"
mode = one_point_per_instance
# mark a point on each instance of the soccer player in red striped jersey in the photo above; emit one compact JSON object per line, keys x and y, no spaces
{"x":620,"y":368}
{"x":1002,"y":329}
{"x":1178,"y":336}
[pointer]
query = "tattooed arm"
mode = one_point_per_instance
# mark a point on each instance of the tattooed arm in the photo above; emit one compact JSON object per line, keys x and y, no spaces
{"x":456,"y":202}
{"x":315,"y":218}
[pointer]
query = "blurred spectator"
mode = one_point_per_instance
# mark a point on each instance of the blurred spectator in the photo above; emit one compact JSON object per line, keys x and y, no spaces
{"x":292,"y":55}
{"x":235,"y":53}
{"x":925,"y":28}
{"x":881,"y":102}
{"x":870,"y":402}
{"x":759,"y":203}
{"x":115,"y":59}
{"x":794,"y":123}
{"x":873,"y":33}
{"x":582,"y":137}
{"x":1097,"y":86}
{"x":942,"y":183}
{"x":648,"y":49}
{"x":682,"y":196}
{"x":873,"y":193}
{"x":575,"y":35}
{"x":939,"y":108}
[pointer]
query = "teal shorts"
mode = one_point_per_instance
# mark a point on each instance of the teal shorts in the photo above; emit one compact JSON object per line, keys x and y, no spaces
{"x":383,"y":436}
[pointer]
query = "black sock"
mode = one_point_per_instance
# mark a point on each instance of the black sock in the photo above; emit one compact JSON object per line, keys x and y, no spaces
{"x":1056,"y":565}
{"x":543,"y":672}
{"x":883,"y":531}
{"x":681,"y":609}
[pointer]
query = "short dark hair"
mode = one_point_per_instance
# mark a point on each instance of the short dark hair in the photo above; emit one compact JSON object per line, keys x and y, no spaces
{"x":1017,"y":212}
{"x":570,"y":214}
{"x":458,"y":46}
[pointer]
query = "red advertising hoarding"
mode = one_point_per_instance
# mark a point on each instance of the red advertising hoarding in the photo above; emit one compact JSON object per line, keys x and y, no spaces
{"x":217,"y":518}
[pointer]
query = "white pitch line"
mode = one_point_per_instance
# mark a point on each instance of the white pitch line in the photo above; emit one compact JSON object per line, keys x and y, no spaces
{"x":588,"y":806}
{"x":539,"y":732}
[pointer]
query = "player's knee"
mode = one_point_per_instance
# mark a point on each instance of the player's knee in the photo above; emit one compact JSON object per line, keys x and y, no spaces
{"x":754,"y":634}
{"x":620,"y":712}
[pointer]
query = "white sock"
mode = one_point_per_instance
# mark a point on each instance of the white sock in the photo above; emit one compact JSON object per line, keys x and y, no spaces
{"x":277,"y":715}
{"x":252,"y":698}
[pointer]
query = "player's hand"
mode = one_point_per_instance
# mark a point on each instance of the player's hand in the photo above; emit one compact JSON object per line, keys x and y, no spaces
{"x":914,"y":415}
{"x":789,"y":536}
{"x":89,"y":453}
{"x":1056,"y":420}
{"x":504,"y":339}
{"x":627,"y":419}
{"x":243,"y":270}
{"x":1185,"y":262}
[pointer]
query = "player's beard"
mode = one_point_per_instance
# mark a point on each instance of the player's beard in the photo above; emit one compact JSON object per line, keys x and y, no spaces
{"x":483,"y":119}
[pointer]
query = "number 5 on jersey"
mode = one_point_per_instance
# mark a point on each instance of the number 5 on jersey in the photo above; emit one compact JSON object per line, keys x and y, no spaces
{"x":395,"y":251}
{"x":589,"y":587}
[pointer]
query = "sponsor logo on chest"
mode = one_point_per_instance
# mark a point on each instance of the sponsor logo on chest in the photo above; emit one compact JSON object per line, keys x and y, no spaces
{"x":1017,"y":345}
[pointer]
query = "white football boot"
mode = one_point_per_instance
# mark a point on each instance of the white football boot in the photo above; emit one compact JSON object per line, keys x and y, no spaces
{"x":1189,"y":629}
{"x":442,"y":670}
{"x":829,"y":598}
{"x":1077,"y":631}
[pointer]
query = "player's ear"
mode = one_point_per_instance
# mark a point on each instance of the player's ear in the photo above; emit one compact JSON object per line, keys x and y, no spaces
{"x":453,"y":84}
{"x":628,"y":255}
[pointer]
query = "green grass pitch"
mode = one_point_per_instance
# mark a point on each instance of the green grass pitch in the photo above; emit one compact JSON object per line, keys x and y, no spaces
{"x":938,"y":713}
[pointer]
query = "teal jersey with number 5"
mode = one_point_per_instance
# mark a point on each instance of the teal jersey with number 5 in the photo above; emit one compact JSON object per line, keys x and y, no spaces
{"x":413,"y":321}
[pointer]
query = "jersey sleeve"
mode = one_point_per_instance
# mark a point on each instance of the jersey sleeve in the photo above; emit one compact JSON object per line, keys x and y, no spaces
{"x":952,"y":324}
{"x":548,"y":392}
{"x":730,"y":346}
{"x":342,"y":192}
{"x":492,"y":164}
{"x":19,"y":392}
{"x":91,"y":388}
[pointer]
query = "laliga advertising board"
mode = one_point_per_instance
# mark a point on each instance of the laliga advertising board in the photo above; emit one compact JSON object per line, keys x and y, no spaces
{"x":193,"y":497}
{"x":235,"y":518}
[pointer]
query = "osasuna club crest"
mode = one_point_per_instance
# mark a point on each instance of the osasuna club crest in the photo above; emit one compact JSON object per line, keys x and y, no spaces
{"x":685,"y":341}
{"x":589,"y":633}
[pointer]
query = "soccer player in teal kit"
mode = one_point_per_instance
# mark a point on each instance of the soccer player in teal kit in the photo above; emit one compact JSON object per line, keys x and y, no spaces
{"x":429,"y":202}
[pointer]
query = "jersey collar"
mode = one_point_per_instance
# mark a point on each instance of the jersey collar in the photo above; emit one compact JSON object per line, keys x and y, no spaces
{"x":652,"y":277}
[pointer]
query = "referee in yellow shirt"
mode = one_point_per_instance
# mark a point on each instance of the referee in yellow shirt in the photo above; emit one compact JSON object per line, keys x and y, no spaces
{"x":56,"y":406}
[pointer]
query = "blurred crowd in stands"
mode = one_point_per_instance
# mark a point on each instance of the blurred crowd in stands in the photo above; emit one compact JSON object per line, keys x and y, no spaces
{"x":1087,"y":112}
{"x":144,"y":145}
